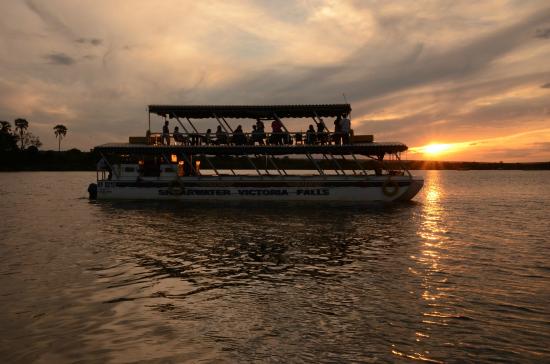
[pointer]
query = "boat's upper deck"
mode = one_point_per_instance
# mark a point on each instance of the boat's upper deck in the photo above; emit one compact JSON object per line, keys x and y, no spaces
{"x":371,"y":149}
{"x":277,"y":141}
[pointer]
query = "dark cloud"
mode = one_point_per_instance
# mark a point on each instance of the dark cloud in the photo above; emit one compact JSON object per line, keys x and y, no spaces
{"x":546,"y":85}
{"x":363,"y":76}
{"x":542,"y":146}
{"x":90,"y":41}
{"x":60,"y":59}
{"x":48,"y":18}
{"x":543,"y":33}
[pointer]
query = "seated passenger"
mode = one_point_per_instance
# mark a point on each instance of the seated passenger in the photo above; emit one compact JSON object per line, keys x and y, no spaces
{"x":221,"y":136}
{"x":311,"y":137}
{"x":238,"y":136}
{"x":178,"y":137}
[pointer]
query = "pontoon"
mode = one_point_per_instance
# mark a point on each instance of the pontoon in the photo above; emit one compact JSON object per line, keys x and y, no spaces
{"x":233,"y":165}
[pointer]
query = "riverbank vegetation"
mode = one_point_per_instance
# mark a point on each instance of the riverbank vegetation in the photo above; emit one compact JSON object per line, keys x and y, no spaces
{"x":76,"y":160}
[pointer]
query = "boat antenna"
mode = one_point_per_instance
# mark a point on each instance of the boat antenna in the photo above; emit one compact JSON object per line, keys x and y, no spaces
{"x":346,"y":101}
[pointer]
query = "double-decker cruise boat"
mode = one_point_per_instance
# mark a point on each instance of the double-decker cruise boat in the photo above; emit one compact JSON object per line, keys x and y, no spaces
{"x":317,"y":165}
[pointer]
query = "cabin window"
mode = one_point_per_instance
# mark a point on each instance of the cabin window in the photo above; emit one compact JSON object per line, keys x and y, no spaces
{"x":129,"y":169}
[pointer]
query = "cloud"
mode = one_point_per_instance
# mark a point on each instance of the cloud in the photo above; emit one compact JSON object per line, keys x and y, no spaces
{"x":90,"y":41}
{"x":543,"y":33}
{"x":52,"y":21}
{"x":60,"y":59}
{"x":373,"y":70}
{"x":422,"y":72}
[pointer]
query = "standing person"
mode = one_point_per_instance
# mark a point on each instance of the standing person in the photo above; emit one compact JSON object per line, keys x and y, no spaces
{"x":321,"y":132}
{"x":165,"y":134}
{"x":337,"y":135}
{"x":260,"y":128}
{"x":345,"y":125}
{"x":310,"y":135}
{"x":277,"y":132}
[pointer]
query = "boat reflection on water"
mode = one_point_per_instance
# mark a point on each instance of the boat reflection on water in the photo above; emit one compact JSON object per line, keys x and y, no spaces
{"x":247,"y":240}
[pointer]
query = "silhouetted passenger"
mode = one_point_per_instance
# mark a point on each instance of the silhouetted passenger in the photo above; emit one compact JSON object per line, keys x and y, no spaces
{"x":221,"y":136}
{"x":277,"y":132}
{"x":178,"y":137}
{"x":337,"y":135}
{"x":238,"y":136}
{"x":345,"y":126}
{"x":257,"y":135}
{"x":311,"y":137}
{"x":165,"y":134}
{"x":260,"y":128}
{"x":322,"y":135}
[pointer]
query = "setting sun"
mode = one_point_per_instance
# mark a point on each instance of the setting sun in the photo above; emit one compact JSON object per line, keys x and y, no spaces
{"x":436,"y":148}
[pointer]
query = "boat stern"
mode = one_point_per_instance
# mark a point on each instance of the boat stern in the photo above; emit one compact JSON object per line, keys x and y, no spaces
{"x":416,"y":185}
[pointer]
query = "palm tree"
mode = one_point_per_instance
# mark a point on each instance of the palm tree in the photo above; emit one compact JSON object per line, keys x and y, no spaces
{"x":21,"y":125}
{"x":5,"y":127}
{"x":60,"y":132}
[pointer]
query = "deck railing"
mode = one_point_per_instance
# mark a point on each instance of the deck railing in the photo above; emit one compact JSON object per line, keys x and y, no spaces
{"x":254,"y":138}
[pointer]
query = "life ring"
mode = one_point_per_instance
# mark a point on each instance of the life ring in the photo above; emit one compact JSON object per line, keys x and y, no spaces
{"x":390,"y":188}
{"x":175,"y":188}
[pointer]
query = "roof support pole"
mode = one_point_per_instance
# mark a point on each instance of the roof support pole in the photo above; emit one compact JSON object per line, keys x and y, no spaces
{"x":221,"y":124}
{"x":359,"y":164}
{"x":403,"y":166}
{"x":226,"y":123}
{"x":211,"y":164}
{"x":321,"y":172}
{"x":149,"y":127}
{"x":335,"y":163}
{"x":327,"y":129}
{"x":344,"y":159}
{"x":274,"y":164}
{"x":183,"y":126}
{"x":277,"y":118}
{"x":253,"y":165}
{"x":193,"y":126}
{"x":265,"y":169}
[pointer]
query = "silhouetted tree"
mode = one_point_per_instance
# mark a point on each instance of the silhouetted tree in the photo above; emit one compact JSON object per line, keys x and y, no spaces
{"x":8,"y":141}
{"x":5,"y":127}
{"x":21,"y":125}
{"x":60,"y":132}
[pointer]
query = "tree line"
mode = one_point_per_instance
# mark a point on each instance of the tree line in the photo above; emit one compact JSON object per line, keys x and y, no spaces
{"x":21,"y":139}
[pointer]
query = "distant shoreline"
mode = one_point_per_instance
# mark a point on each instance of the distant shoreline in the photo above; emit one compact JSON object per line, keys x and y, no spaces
{"x":76,"y":160}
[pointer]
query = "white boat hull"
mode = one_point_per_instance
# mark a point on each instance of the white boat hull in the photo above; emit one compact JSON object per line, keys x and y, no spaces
{"x":379,"y":188}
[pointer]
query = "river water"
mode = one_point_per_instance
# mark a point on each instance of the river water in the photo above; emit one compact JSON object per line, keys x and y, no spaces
{"x":461,"y":274}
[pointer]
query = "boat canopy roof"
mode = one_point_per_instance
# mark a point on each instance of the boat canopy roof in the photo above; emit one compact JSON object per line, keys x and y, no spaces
{"x":371,"y":149}
{"x":250,"y":111}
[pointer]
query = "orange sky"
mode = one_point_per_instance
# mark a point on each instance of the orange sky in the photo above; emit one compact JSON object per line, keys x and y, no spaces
{"x":472,"y":76}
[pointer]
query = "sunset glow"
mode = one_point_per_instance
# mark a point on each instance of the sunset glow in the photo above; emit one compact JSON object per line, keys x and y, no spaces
{"x":436,"y":148}
{"x":468,"y":73}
